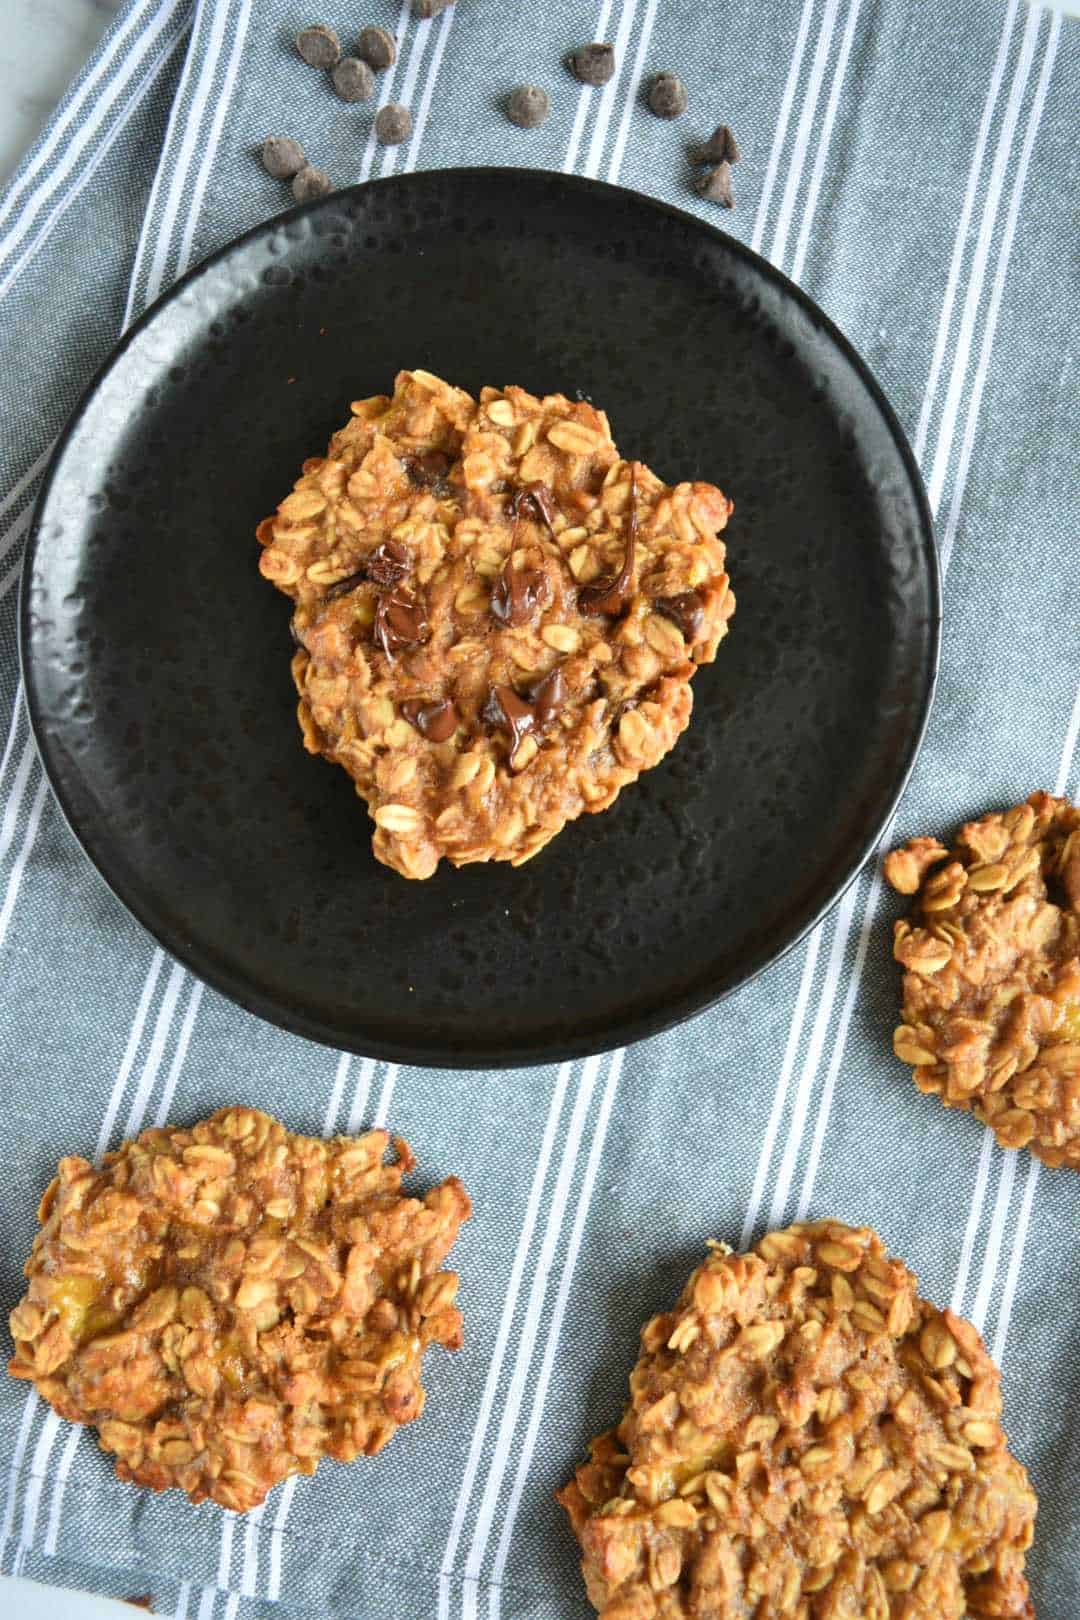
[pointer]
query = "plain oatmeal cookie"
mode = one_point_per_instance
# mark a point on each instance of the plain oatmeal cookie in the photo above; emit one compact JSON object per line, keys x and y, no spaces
{"x":229,"y":1304}
{"x":497,"y":616}
{"x":806,"y":1438}
{"x":991,"y":992}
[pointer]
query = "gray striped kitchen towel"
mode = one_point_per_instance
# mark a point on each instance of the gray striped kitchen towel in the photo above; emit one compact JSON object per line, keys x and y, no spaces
{"x":914,"y":166}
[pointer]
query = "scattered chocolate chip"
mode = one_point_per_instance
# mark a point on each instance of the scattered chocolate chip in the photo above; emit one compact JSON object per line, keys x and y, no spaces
{"x":376,"y":47}
{"x":430,"y":8}
{"x":429,"y":469}
{"x":310,"y":183}
{"x":667,"y":96}
{"x":721,"y":147}
{"x":389,"y":562}
{"x":684,"y":610}
{"x":715,"y":185}
{"x":399,"y":622}
{"x":607,"y":595}
{"x":527,"y":106}
{"x":436,"y":721}
{"x":538,"y":496}
{"x":140,"y":1602}
{"x":547,"y":697}
{"x":393,"y":124}
{"x":318,"y":45}
{"x":353,"y":80}
{"x":518,"y":593}
{"x":282,"y":157}
{"x":592,"y":64}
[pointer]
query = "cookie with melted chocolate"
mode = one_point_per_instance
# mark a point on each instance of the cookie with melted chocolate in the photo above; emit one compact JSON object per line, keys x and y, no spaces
{"x":497,"y":615}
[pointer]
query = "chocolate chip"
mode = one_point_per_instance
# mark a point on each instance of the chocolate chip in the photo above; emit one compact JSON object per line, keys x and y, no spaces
{"x":592,"y":64}
{"x":282,"y":157}
{"x":721,"y":147}
{"x":517,"y":594}
{"x":715,"y":185}
{"x":393,"y":124}
{"x":540,"y":498}
{"x":389,"y":562}
{"x":491,"y":712}
{"x":353,"y":80}
{"x":342,"y":587}
{"x":505,"y":708}
{"x":310,"y":183}
{"x":527,"y":106}
{"x":429,"y":468}
{"x":684,"y":610}
{"x":667,"y":96}
{"x":376,"y":47}
{"x":386,"y":565}
{"x":399,"y":622}
{"x":318,"y":45}
{"x":436,"y":721}
{"x":508,"y":710}
{"x":430,"y":8}
{"x":140,"y":1602}
{"x":547,"y":697}
{"x":608,"y":594}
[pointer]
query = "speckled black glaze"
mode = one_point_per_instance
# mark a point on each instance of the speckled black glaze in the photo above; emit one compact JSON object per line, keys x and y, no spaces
{"x":157,"y":661}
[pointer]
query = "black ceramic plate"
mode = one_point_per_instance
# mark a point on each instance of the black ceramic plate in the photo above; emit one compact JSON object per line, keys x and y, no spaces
{"x":157,"y":661}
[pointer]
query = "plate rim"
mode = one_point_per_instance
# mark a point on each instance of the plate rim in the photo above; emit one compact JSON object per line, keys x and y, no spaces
{"x":462,"y":1057}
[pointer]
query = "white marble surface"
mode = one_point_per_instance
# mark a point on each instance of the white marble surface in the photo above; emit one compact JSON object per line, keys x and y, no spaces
{"x":43,"y":44}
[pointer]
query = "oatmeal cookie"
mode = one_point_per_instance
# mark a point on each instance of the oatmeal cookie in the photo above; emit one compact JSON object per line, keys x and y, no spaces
{"x":497,"y":616}
{"x":991,"y":952}
{"x":806,"y":1438}
{"x":231,"y":1303}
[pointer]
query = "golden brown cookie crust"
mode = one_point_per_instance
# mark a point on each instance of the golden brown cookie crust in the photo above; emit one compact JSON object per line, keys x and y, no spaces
{"x":991,"y":990}
{"x":497,"y":616}
{"x":231,"y":1303}
{"x":806,"y":1438}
